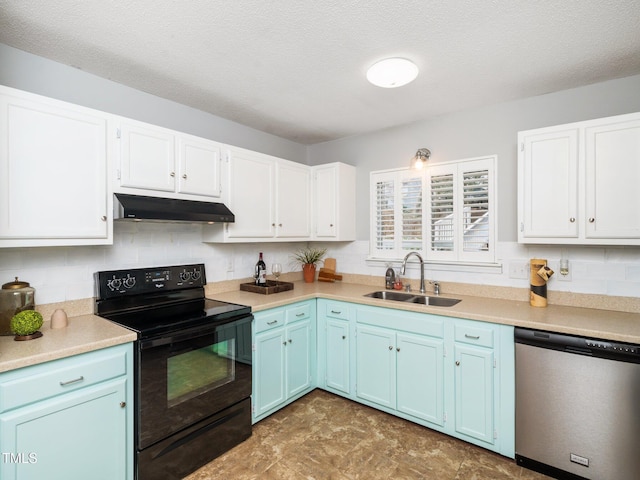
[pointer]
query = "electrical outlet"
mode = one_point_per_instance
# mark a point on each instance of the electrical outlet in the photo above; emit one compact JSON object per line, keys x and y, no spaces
{"x":230,"y":263}
{"x":519,"y":270}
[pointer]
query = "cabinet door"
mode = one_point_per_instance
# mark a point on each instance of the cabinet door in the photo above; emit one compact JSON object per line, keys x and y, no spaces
{"x":548,"y":184}
{"x":78,"y":435}
{"x":325,"y":202}
{"x":199,"y":162}
{"x":53,"y":171}
{"x":420,"y":388}
{"x":147,"y":157}
{"x":251,"y":195}
{"x":298,"y":353}
{"x":293,"y":200}
{"x":612,"y":180}
{"x":376,"y":365}
{"x":338,"y":354}
{"x":474,"y":398}
{"x":269,"y":379}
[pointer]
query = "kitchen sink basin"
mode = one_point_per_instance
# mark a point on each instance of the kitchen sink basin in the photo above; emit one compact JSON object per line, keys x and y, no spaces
{"x":391,"y":295}
{"x":433,"y":301}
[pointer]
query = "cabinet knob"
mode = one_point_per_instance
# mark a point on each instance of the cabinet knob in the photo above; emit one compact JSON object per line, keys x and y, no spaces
{"x":273,"y":224}
{"x":103,"y":218}
{"x":331,"y":224}
{"x":572,"y":219}
{"x":398,"y":349}
{"x":591,"y":219}
{"x":279,"y":224}
{"x":172,"y":174}
{"x":184,"y":176}
{"x":457,"y":363}
{"x":123,"y":404}
{"x":344,"y":337}
{"x":290,"y":340}
{"x":390,"y":347}
{"x":284,"y":343}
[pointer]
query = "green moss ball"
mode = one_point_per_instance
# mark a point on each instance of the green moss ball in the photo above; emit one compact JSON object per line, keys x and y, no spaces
{"x":26,"y":322}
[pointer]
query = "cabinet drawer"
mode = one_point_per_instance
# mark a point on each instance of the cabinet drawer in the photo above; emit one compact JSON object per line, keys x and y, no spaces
{"x":32,"y":384}
{"x":268,"y":320}
{"x":474,"y":335}
{"x":298,"y":312}
{"x":337,"y":310}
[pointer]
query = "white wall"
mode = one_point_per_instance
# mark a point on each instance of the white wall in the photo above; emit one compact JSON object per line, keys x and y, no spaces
{"x":485,"y":131}
{"x":39,"y":75}
{"x":66,"y":273}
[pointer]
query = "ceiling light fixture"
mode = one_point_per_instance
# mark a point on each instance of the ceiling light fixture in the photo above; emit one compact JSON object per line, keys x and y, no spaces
{"x":392,"y":72}
{"x":420,"y":158}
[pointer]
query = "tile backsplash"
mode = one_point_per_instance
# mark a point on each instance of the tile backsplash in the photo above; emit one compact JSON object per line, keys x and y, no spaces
{"x":62,"y":274}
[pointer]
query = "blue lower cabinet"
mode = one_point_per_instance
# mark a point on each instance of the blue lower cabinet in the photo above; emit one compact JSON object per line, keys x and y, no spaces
{"x":376,"y":365}
{"x":69,"y":418}
{"x":284,"y":357}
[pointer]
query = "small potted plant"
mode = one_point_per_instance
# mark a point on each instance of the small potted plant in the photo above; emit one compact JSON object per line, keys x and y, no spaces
{"x":308,"y":257}
{"x":25,"y":325}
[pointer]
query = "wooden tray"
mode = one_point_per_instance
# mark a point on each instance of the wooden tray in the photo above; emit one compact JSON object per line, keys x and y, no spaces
{"x":271,"y":287}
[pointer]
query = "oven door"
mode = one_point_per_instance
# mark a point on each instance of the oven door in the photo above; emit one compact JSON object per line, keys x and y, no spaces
{"x":189,"y":375}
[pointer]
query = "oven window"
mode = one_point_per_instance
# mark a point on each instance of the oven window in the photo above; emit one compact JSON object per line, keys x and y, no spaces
{"x":198,"y":371}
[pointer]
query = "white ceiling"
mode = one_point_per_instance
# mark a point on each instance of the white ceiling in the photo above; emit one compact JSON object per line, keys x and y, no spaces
{"x":296,"y":68}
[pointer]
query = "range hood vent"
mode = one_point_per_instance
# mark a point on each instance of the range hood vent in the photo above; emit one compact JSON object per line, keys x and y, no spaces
{"x":155,"y":209}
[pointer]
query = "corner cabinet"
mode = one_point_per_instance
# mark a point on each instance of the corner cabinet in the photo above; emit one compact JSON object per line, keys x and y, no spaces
{"x":453,"y":375}
{"x":284,"y":346}
{"x":270,"y":198}
{"x":53,"y":173}
{"x":70,"y":418}
{"x":577,"y":183}
{"x":157,"y":161}
{"x":334,"y":202}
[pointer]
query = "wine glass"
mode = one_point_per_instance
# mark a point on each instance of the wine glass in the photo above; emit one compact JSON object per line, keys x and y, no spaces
{"x":276,"y":269}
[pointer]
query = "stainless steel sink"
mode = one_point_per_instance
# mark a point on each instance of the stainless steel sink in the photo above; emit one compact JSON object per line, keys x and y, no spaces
{"x":391,"y":295}
{"x":433,"y":301}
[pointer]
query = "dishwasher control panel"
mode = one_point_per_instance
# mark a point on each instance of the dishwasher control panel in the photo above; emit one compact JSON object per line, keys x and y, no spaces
{"x":620,"y":351}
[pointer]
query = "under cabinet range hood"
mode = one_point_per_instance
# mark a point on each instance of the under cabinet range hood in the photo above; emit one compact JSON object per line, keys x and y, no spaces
{"x":155,"y":209}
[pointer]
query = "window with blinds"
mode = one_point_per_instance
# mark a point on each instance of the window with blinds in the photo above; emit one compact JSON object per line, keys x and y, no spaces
{"x":456,"y":221}
{"x":461,"y":213}
{"x":398,"y":214}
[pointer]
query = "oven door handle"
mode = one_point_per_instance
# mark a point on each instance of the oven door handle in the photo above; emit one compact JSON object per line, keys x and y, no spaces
{"x":190,"y":334}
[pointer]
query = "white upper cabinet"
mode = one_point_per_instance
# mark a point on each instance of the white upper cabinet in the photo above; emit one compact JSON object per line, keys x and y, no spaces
{"x":269,"y":197}
{"x":334,"y":202}
{"x":577,"y":183}
{"x":53,"y":173}
{"x":293,"y":200}
{"x":157,"y":161}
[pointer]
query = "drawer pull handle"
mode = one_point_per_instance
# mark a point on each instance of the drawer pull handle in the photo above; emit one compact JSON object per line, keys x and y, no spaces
{"x":69,"y":382}
{"x":337,"y":313}
{"x":474,"y":337}
{"x":273,"y":322}
{"x":300,"y":314}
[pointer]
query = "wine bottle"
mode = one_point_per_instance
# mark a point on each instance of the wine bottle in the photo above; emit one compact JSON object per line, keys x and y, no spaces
{"x":261,"y":272}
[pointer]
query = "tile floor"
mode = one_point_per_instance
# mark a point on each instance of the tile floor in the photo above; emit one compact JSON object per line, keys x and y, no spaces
{"x":324,"y":436}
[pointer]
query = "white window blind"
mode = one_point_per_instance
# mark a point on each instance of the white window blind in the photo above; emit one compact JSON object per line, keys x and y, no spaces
{"x":397,"y":220}
{"x":461,"y":215}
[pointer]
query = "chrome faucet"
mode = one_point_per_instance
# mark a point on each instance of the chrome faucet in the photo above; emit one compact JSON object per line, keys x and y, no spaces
{"x":404,"y":266}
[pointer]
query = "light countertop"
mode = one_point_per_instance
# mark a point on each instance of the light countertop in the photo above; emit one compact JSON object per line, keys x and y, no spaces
{"x":590,"y":322}
{"x":83,"y":334}
{"x":89,"y":332}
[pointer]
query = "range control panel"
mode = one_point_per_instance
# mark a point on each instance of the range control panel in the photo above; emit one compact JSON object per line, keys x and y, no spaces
{"x":116,"y":283}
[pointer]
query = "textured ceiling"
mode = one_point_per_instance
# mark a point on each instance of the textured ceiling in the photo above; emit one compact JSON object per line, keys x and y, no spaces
{"x":296,"y":68}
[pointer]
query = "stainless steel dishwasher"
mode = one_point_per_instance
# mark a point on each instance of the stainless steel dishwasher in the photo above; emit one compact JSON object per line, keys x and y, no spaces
{"x":577,"y":406}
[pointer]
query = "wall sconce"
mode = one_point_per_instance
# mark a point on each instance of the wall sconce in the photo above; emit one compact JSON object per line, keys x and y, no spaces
{"x":420,"y":158}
